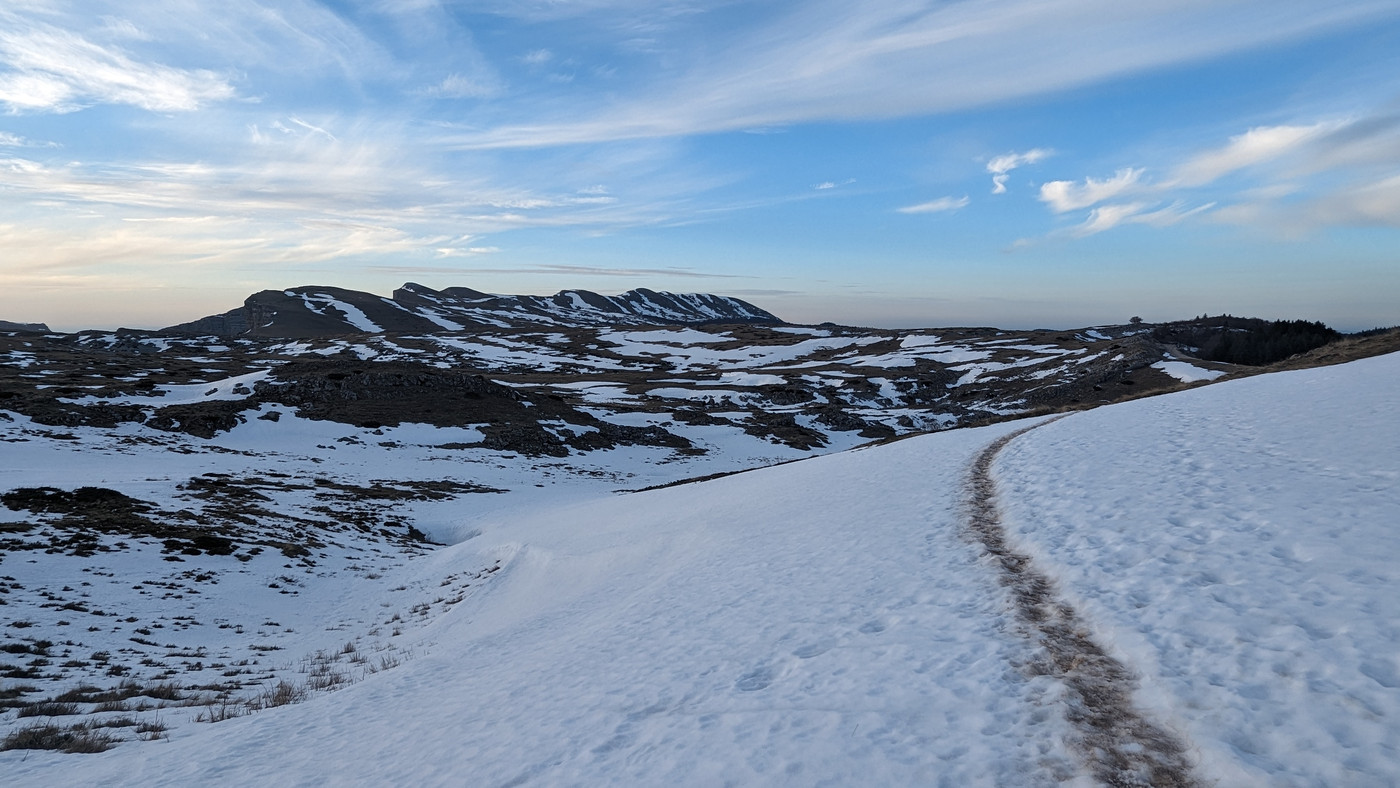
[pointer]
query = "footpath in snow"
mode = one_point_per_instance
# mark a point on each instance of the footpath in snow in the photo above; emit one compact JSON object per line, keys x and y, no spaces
{"x":1239,"y":546}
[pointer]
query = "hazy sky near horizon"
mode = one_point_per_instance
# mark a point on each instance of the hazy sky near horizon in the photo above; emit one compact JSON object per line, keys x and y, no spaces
{"x":1016,"y":163}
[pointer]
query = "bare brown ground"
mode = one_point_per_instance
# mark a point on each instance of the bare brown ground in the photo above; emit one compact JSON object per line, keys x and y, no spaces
{"x":1120,"y":746}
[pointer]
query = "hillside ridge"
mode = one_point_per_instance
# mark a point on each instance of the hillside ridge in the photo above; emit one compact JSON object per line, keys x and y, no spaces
{"x":323,"y":311}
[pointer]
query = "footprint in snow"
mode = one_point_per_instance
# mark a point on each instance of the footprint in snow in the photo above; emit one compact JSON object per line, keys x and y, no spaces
{"x":872,"y":626}
{"x":756,"y":679}
{"x":813,"y":649}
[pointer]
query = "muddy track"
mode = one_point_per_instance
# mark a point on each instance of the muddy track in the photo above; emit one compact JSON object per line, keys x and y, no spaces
{"x":1120,"y":746}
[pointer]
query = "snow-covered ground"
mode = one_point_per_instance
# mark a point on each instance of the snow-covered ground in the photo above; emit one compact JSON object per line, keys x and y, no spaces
{"x":830,"y":621}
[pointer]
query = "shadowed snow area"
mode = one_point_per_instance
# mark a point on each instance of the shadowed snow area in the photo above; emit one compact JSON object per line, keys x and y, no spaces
{"x":829,"y":621}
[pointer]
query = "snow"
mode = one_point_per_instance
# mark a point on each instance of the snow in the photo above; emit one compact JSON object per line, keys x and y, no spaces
{"x":711,"y":395}
{"x":436,"y":317}
{"x":1187,"y":373}
{"x":743,"y":379}
{"x":828,"y":621}
{"x":233,"y":388}
{"x":693,"y":636}
{"x":1237,"y":542}
{"x":919,"y":340}
{"x":318,"y":302}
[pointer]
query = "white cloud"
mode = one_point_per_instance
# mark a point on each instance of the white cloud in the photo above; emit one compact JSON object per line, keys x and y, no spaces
{"x":469,"y":251}
{"x":836,"y":60}
{"x":462,"y":86}
{"x":8,"y":140}
{"x":537,"y":57}
{"x":1294,"y":179}
{"x":54,"y":70}
{"x":999,"y":166}
{"x":937,"y":206}
{"x":1171,"y":214}
{"x":1256,"y":146}
{"x":313,"y":129}
{"x":1371,"y":202}
{"x":1064,"y":196}
{"x":1106,"y":217}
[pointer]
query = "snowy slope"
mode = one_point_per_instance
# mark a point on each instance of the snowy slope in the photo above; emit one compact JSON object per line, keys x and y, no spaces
{"x":777,"y":625}
{"x":1238,"y":545}
{"x":830,"y":621}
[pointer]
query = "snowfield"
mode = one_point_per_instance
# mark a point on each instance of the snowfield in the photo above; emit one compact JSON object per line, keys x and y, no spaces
{"x":831,"y":621}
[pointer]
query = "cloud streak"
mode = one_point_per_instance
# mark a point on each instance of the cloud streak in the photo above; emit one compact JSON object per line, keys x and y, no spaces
{"x":832,"y":60}
{"x":52,"y":70}
{"x":1256,"y":146}
{"x":1289,"y":180}
{"x":940,"y":205}
{"x":1064,"y":196}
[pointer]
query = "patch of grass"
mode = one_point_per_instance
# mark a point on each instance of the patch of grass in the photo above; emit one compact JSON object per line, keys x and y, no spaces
{"x":281,"y":695}
{"x":49,"y":708}
{"x":75,"y":739}
{"x":150,"y":730}
{"x":11,"y":697}
{"x":220,"y":710}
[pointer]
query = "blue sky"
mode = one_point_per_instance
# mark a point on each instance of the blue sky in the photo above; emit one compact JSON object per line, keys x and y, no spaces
{"x":1016,"y":163}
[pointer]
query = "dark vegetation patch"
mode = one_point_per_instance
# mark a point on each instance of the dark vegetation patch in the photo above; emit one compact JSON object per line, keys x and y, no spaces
{"x":81,"y":517}
{"x":783,"y":428}
{"x":384,"y":394}
{"x":200,"y":419}
{"x":73,"y":739}
{"x":841,"y":420}
{"x":1245,"y":340}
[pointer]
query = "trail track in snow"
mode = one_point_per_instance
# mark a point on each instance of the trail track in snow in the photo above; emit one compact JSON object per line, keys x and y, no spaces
{"x":1120,"y":745}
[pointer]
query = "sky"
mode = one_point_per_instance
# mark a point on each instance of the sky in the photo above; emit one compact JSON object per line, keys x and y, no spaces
{"x":895,"y":163}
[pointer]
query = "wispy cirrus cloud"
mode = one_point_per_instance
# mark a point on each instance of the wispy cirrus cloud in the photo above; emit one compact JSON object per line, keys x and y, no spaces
{"x":1106,"y":217}
{"x":458,"y":86}
{"x":1256,"y":146}
{"x":48,"y":69}
{"x":1064,"y":196}
{"x":1289,"y":179}
{"x":940,"y":205}
{"x":8,"y":140}
{"x":834,"y":60}
{"x":1001,"y":166}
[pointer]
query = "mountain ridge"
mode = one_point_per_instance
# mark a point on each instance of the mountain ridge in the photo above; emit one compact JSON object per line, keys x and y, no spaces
{"x":322,"y":311}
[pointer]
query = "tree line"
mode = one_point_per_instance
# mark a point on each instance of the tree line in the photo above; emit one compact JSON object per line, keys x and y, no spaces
{"x":1246,"y":340}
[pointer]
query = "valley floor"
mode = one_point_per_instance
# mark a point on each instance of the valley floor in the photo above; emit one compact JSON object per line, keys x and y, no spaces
{"x":835,"y":621}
